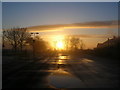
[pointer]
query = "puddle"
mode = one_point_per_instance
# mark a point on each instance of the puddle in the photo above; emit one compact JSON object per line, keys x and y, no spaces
{"x":62,"y":79}
{"x":60,"y":76}
{"x":59,"y":60}
{"x":87,"y":61}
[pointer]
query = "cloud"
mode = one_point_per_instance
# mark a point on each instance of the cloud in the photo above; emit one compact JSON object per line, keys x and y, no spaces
{"x":92,"y":36}
{"x":94,"y":24}
{"x":98,"y":36}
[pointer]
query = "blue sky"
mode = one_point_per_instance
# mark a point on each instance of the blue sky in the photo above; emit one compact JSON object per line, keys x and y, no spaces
{"x":41,"y":13}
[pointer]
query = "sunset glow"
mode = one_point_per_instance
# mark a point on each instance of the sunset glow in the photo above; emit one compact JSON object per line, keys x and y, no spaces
{"x":82,"y":20}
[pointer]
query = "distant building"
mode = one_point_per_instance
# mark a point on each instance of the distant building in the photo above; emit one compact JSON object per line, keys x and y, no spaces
{"x":108,"y":43}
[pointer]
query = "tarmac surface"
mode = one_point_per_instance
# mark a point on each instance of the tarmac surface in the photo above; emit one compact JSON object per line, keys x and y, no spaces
{"x":61,"y":71}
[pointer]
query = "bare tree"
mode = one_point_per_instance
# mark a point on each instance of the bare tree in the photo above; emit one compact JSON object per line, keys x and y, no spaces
{"x":73,"y":43}
{"x":82,"y":45}
{"x":16,"y":37}
{"x":23,"y":35}
{"x":67,"y":42}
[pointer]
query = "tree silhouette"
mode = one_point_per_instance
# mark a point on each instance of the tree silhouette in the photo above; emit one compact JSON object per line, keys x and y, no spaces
{"x":73,"y":43}
{"x":16,"y":37}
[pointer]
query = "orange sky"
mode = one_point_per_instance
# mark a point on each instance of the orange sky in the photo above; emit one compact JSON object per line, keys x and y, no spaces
{"x":90,"y":32}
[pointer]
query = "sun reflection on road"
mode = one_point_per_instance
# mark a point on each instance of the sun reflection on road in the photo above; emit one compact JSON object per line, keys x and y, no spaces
{"x":60,"y":61}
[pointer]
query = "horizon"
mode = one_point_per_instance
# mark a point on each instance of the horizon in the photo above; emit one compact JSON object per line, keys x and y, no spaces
{"x":93,"y":22}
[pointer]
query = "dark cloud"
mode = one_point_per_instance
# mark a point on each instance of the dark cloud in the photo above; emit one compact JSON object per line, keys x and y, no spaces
{"x":94,"y":24}
{"x":91,"y":36}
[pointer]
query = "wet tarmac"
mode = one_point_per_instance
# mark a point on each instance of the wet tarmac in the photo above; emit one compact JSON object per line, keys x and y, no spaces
{"x":63,"y":71}
{"x":76,"y":72}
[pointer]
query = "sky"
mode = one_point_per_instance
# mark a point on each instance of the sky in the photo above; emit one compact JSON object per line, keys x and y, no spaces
{"x":92,"y":21}
{"x":42,"y":13}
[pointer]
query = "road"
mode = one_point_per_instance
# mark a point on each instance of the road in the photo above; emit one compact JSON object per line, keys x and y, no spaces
{"x":92,"y":72}
{"x":63,"y":71}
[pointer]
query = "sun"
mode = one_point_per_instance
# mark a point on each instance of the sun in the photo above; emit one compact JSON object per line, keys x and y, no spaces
{"x":57,"y":42}
{"x":60,"y":45}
